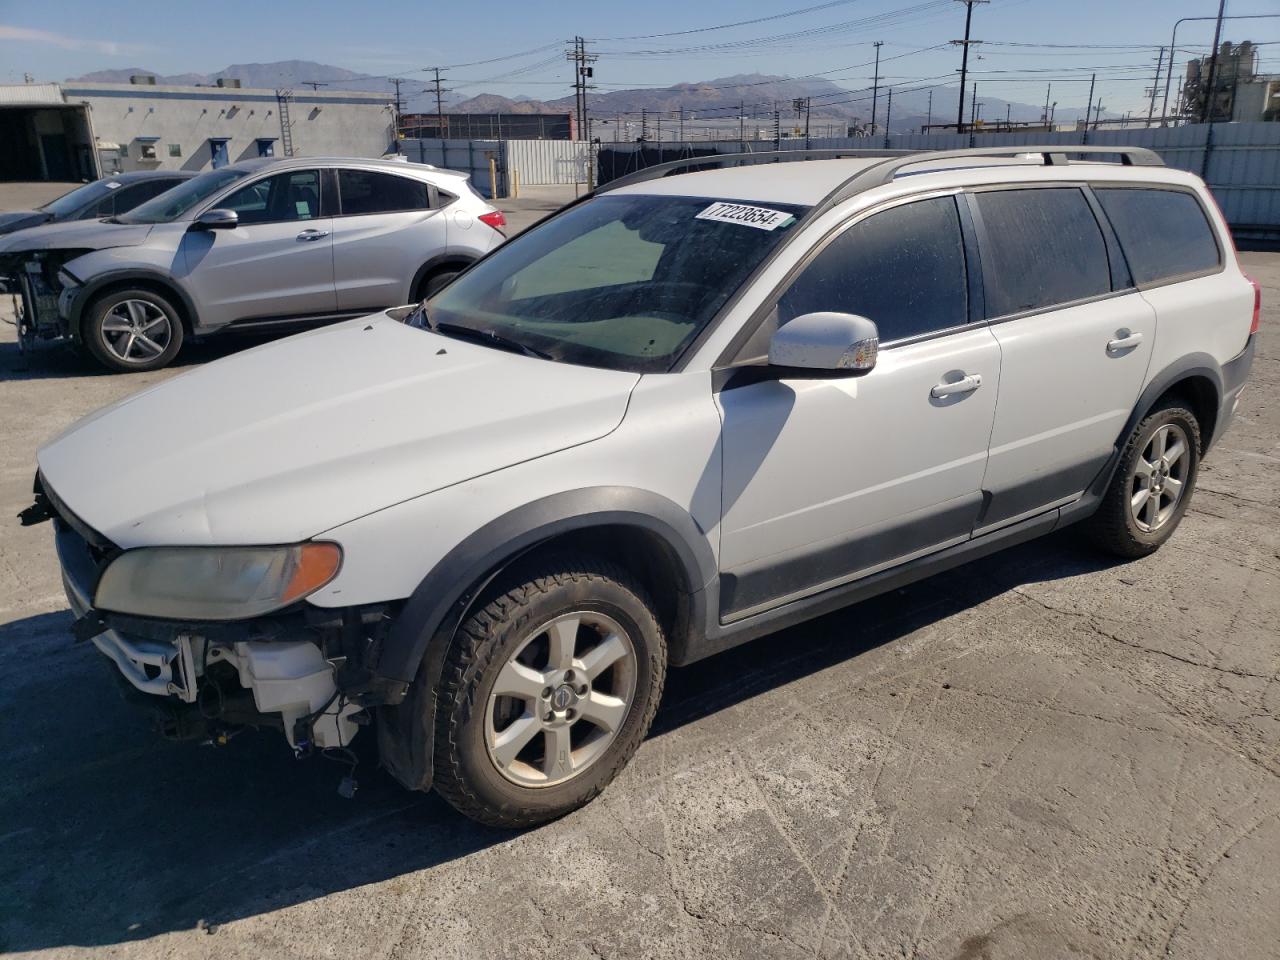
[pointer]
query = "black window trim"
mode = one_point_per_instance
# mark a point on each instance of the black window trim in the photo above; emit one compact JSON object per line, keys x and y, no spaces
{"x":245,"y":182}
{"x":732,"y":356}
{"x":433,"y":194}
{"x":1208,"y":219}
{"x":1104,"y":226}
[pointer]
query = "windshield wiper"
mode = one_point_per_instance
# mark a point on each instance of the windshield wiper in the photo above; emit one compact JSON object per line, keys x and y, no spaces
{"x":487,"y":337}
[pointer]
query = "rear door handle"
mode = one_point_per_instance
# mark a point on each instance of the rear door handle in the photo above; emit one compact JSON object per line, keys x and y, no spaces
{"x":313,"y":234}
{"x":1124,"y":343}
{"x":965,"y":385}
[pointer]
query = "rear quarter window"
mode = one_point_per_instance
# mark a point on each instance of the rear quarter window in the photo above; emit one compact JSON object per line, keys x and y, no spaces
{"x":1164,"y":233}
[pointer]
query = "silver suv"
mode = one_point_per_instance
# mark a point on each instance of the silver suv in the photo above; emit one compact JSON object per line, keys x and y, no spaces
{"x":258,"y":245}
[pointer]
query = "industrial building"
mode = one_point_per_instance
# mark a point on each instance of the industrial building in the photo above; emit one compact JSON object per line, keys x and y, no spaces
{"x":80,"y":131}
{"x":1240,"y":93}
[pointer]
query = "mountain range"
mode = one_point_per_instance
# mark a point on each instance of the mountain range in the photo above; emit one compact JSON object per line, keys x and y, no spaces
{"x":759,"y":94}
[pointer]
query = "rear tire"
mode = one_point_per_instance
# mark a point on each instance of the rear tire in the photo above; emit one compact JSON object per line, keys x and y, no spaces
{"x":1153,"y":483}
{"x":131,"y":330}
{"x":547,"y":691}
{"x":434,"y":283}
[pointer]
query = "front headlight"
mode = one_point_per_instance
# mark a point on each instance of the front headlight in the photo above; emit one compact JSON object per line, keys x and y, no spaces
{"x":67,"y":279}
{"x":215,"y":583}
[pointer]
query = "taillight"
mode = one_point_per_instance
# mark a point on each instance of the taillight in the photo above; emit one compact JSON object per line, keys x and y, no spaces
{"x":1257,"y":306}
{"x":494,"y":219}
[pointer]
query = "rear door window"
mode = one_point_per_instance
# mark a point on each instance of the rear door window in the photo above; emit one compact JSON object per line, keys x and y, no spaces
{"x":1043,"y":247}
{"x":1164,"y":233}
{"x":903,"y":268}
{"x":366,"y":191}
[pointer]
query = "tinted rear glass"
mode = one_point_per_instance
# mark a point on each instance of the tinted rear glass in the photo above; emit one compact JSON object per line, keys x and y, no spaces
{"x":364,"y":191}
{"x":1164,"y":233}
{"x":1044,"y":248}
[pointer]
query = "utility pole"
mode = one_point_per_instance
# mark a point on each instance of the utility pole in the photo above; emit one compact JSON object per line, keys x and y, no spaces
{"x":644,"y":124}
{"x":1206,"y":115}
{"x":928,"y":122}
{"x":875,"y":87}
{"x":888,"y":118}
{"x":741,"y":131}
{"x":398,"y":105}
{"x":682,"y":124}
{"x":973,"y":104}
{"x":440,"y":92}
{"x":777,"y":129}
{"x":964,"y":58}
{"x":582,"y":72}
{"x":1047,"y":90}
{"x":1155,"y":84}
{"x":1008,"y":109}
{"x":1089,"y":106}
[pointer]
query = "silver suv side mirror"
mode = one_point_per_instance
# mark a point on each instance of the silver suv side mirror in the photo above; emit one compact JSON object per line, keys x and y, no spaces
{"x":218,"y":219}
{"x":837,"y":343}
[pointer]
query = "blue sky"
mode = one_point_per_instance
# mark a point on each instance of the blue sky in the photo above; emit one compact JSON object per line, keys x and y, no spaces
{"x":54,"y":40}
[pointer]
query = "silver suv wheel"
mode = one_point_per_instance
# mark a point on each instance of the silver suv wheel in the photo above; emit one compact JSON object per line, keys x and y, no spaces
{"x":136,"y":331}
{"x":560,"y":699}
{"x":1159,"y":477}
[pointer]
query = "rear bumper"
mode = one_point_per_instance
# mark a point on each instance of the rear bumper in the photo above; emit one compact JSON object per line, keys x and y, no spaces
{"x":1235,"y":372}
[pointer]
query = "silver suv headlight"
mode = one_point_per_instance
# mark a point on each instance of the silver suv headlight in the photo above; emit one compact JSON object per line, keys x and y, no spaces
{"x":215,"y":583}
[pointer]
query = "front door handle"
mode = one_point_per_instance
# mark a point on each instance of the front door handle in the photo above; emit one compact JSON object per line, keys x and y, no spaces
{"x":956,"y":387}
{"x":313,"y":234}
{"x":1124,"y":342}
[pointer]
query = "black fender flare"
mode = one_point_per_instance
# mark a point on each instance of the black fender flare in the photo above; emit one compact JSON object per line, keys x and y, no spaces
{"x":459,"y":260}
{"x":411,"y":663}
{"x":1184,"y":368}
{"x":86,"y":294}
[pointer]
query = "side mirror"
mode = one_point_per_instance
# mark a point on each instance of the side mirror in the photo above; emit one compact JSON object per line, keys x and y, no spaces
{"x":217,"y":220}
{"x":839,"y":344}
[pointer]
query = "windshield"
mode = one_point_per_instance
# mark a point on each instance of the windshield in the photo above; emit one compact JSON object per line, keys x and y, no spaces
{"x":172,"y":204}
{"x":72,"y":203}
{"x":624,"y":282}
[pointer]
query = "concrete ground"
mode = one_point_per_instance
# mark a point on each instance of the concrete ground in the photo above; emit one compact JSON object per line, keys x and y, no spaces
{"x":23,"y":195}
{"x":1045,"y":754}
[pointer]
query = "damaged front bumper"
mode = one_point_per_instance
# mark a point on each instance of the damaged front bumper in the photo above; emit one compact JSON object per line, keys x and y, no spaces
{"x":40,"y":297}
{"x":299,"y":672}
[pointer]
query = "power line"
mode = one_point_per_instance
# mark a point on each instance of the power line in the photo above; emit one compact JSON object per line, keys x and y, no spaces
{"x":964,"y":59}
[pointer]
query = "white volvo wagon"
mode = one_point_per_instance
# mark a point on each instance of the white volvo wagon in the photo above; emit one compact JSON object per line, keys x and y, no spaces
{"x":682,"y":412}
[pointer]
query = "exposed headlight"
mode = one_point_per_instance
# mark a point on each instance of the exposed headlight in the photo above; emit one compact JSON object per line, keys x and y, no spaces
{"x":215,"y":583}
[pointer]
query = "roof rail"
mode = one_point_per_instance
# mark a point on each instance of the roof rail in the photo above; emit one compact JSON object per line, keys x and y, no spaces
{"x":882,"y":173}
{"x":671,"y":167}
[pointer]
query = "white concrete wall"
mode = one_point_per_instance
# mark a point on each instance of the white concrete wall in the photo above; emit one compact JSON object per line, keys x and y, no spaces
{"x":341,"y":123}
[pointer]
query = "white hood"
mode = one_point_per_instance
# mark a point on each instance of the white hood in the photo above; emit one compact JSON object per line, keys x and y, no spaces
{"x":285,"y":441}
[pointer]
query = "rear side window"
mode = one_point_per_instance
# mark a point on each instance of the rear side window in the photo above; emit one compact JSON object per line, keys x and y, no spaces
{"x":1043,"y":248}
{"x":903,"y":268}
{"x":1164,"y":233}
{"x":364,"y":191}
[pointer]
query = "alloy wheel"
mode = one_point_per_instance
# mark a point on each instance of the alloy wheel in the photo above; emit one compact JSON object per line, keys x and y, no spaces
{"x":136,"y":331}
{"x":561,"y":699}
{"x":1159,"y":478}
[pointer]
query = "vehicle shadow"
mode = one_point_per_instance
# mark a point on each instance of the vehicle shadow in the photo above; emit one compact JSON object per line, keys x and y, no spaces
{"x":110,"y":835}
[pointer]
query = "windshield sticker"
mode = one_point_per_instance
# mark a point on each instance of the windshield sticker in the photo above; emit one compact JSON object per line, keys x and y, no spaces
{"x":762,"y":218}
{"x":111,"y":185}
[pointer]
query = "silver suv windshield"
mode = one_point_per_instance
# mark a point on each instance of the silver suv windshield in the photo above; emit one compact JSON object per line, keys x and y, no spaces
{"x":172,"y":204}
{"x":625,"y":282}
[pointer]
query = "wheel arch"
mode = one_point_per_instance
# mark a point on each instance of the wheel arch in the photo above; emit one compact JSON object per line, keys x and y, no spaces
{"x":122,"y":279}
{"x":1197,"y":378}
{"x":443,"y":261}
{"x":649,"y":534}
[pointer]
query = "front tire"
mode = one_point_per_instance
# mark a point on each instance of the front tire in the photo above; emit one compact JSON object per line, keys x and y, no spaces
{"x":435,"y":283}
{"x":1153,"y":483}
{"x":132,"y":331}
{"x":547,"y":691}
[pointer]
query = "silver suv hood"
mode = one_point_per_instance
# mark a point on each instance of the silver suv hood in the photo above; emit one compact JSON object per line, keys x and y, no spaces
{"x":76,"y":235}
{"x":285,"y":441}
